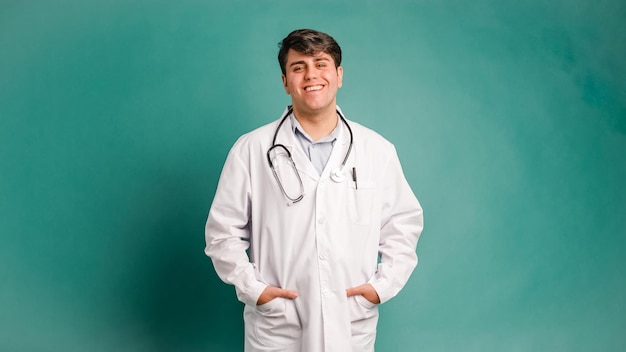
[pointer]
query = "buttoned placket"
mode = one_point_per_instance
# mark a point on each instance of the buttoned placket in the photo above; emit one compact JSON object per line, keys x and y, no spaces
{"x":325,"y":252}
{"x":323,"y":258}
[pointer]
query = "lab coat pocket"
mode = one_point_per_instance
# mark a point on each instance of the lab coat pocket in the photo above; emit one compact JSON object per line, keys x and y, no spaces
{"x":362,"y":309}
{"x":361,"y":199}
{"x":364,"y":302}
{"x":276,"y":323}
{"x":363,"y":318}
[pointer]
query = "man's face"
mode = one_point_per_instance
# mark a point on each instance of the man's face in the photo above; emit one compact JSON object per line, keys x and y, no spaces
{"x":312,"y":81}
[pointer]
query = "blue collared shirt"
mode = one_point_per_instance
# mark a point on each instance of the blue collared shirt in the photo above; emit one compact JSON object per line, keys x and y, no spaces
{"x":319,"y":151}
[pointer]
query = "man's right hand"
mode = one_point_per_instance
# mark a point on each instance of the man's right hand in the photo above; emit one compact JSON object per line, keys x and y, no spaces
{"x":272,"y":292}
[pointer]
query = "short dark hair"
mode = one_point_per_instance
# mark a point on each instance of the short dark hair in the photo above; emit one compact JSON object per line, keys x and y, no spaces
{"x":308,"y":42}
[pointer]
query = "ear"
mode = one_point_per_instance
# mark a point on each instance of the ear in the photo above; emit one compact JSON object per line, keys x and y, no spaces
{"x":284,"y":78}
{"x":339,"y":76}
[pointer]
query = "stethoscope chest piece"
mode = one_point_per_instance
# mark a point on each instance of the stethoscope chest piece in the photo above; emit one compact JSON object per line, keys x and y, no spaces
{"x":337,"y":175}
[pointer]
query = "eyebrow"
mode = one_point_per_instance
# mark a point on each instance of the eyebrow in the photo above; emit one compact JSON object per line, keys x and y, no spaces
{"x":301,"y":62}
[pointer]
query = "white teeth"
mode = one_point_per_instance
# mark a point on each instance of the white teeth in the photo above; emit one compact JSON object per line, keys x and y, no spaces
{"x":312,"y":88}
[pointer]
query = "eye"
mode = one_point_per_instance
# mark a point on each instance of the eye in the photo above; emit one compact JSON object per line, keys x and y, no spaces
{"x":297,"y":68}
{"x":322,"y":64}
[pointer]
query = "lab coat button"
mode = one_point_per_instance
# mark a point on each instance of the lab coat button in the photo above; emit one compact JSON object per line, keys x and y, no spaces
{"x":325,"y":292}
{"x":322,"y":256}
{"x":321,"y":221}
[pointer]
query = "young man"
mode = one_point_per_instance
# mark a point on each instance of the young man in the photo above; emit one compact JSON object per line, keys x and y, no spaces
{"x":313,"y":221}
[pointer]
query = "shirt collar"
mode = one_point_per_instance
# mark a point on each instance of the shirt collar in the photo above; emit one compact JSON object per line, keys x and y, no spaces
{"x":298,"y":130}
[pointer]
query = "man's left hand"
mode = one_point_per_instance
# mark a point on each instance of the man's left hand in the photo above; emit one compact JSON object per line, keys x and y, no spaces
{"x":365,"y":290}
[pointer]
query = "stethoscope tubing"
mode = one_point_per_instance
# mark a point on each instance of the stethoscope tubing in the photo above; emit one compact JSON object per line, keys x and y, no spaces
{"x":284,"y":118}
{"x":293,"y":165}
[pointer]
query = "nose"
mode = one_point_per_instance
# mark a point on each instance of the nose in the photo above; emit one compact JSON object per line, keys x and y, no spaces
{"x":310,"y":73}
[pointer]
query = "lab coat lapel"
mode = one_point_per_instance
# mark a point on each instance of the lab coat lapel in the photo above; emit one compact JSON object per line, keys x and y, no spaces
{"x":339,"y":150}
{"x":303,"y":164}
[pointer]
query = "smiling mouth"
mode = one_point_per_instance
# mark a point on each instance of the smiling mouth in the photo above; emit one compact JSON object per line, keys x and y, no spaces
{"x":313,"y":88}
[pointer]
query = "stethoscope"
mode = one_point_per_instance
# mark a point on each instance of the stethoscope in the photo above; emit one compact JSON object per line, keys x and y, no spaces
{"x":337,"y":174}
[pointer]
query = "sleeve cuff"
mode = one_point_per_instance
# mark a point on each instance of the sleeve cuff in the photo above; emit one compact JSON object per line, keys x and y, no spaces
{"x":384,"y":294}
{"x":250,"y":293}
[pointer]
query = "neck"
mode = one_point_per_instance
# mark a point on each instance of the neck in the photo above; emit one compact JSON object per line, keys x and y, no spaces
{"x":318,"y":125}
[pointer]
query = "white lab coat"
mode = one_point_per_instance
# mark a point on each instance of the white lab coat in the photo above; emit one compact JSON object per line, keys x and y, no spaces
{"x":339,"y":235}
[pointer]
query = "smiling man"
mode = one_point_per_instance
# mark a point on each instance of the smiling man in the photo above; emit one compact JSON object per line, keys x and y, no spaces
{"x":313,"y":221}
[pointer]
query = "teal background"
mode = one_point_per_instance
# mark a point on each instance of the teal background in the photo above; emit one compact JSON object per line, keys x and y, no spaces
{"x":509,"y":118}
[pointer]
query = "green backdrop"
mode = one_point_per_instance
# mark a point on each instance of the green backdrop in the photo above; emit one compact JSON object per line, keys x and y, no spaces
{"x":509,"y":118}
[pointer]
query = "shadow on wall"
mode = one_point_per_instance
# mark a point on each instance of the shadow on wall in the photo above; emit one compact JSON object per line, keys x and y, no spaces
{"x":173,"y":294}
